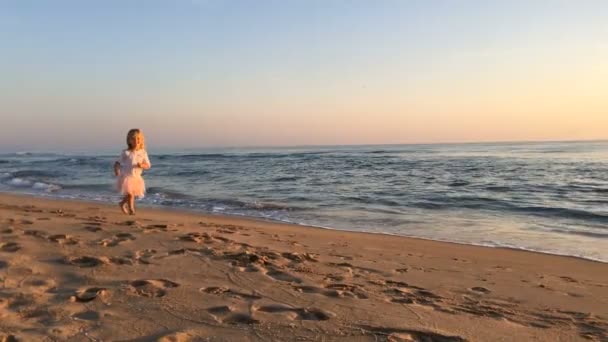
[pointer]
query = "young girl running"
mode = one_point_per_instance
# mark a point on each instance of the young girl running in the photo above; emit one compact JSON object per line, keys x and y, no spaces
{"x":128,"y":169}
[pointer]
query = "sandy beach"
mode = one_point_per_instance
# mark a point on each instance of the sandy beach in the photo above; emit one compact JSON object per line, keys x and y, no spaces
{"x":83,"y":271}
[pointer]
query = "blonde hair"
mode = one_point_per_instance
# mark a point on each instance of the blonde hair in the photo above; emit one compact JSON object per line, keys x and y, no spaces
{"x":134,"y":133}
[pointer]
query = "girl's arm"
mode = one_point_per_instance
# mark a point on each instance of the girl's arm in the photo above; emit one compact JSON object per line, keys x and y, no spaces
{"x":117,"y":165}
{"x":145,"y":163}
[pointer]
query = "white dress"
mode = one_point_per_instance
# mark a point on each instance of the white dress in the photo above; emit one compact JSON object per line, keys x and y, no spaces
{"x":130,"y":180}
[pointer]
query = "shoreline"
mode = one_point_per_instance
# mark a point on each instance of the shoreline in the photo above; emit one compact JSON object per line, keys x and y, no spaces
{"x":184,"y":210}
{"x":76,"y":270}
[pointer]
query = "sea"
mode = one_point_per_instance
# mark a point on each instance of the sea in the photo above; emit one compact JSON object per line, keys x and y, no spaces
{"x":550,"y":197}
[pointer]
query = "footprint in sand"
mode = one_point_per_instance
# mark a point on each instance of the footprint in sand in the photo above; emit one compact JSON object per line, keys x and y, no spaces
{"x":97,"y":218}
{"x":129,"y":223}
{"x":92,"y":222}
{"x":35,"y":233}
{"x":215,"y":290}
{"x":479,"y":289}
{"x":348,"y":290}
{"x":203,"y":238}
{"x":335,"y":291}
{"x":152,"y":287}
{"x":225,"y":231}
{"x":84,"y":261}
{"x":3,"y":264}
{"x":178,"y":336}
{"x":568,"y":279}
{"x":144,"y":256}
{"x":240,"y":318}
{"x":304,"y":314}
{"x":117,"y":239}
{"x":221,"y":290}
{"x":220,"y":310}
{"x":93,"y":229}
{"x":116,"y":260}
{"x":221,"y":238}
{"x":405,"y":294}
{"x":156,"y":228}
{"x":9,"y":247}
{"x":359,"y":269}
{"x":406,"y":335}
{"x":89,"y":294}
{"x":224,"y":314}
{"x":39,"y":284}
{"x":8,"y":230}
{"x":86,"y":316}
{"x":89,"y":261}
{"x":124,"y":236}
{"x":297,"y":257}
{"x":196,"y":237}
{"x":63,"y":239}
{"x":282,"y":276}
{"x":247,"y":261}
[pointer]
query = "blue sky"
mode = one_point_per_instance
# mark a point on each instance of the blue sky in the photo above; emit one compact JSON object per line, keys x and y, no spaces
{"x":79,"y":74}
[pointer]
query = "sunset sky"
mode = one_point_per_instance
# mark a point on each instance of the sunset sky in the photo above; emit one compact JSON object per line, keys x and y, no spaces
{"x":199,"y":73}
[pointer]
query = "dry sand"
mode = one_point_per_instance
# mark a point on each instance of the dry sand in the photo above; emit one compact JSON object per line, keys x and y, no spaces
{"x":83,"y":271}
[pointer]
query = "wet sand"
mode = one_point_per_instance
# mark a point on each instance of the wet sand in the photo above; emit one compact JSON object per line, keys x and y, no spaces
{"x":82,"y":271}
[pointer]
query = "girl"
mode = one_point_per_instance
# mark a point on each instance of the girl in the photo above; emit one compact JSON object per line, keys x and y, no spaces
{"x":128,"y":169}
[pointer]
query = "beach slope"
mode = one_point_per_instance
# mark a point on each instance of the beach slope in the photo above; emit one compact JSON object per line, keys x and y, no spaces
{"x":83,"y":271}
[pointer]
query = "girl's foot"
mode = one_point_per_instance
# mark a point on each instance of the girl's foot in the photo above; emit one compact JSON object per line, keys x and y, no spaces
{"x":123,"y":207}
{"x":131,"y":211}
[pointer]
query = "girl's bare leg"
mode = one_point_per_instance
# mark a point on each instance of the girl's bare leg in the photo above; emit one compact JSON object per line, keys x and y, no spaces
{"x":132,"y":204}
{"x":123,"y":205}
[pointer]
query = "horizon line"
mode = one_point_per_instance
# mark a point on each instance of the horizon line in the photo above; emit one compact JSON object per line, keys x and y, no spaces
{"x":33,"y":151}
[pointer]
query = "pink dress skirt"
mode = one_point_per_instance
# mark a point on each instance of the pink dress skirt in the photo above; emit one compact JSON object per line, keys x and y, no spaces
{"x":131,"y":184}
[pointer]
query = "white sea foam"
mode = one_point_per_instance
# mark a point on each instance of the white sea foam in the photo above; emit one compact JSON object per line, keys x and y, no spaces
{"x":46,"y":187}
{"x":19,"y":182}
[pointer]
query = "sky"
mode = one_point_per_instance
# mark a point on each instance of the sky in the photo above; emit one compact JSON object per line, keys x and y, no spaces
{"x":77,"y":75}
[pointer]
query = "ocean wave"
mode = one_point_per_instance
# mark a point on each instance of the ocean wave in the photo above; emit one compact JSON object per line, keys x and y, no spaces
{"x":459,"y":183}
{"x":287,"y":179}
{"x":187,"y":173}
{"x":35,"y":185}
{"x":193,"y":156}
{"x":73,"y":160}
{"x":497,"y":188}
{"x":46,"y":187}
{"x":267,"y":206}
{"x":30,"y":154}
{"x":582,"y":233}
{"x":504,"y":206}
{"x":564,"y":213}
{"x":18,"y":182}
{"x":255,"y":205}
{"x":88,"y":186}
{"x":168,"y":194}
{"x":250,"y":155}
{"x":37,"y":174}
